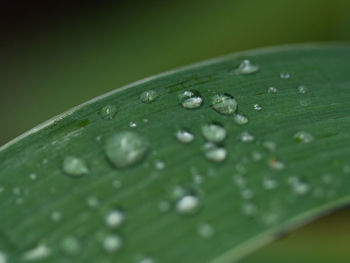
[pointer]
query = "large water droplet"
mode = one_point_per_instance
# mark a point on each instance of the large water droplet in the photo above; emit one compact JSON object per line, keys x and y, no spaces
{"x":148,"y":96}
{"x":214,"y":153}
{"x":184,"y":136}
{"x":114,"y":219}
{"x":214,"y":132}
{"x":190,"y":99}
{"x":112,"y":243}
{"x":126,"y":148}
{"x":303,"y":137}
{"x":132,"y":124}
{"x":246,"y":67}
{"x":108,"y":112}
{"x":188,"y":204}
{"x":74,"y":166}
{"x":240,"y":119}
{"x":70,"y":245}
{"x":37,"y":253}
{"x":224,"y":104}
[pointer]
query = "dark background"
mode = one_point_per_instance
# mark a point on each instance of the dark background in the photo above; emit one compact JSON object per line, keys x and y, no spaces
{"x":55,"y":55}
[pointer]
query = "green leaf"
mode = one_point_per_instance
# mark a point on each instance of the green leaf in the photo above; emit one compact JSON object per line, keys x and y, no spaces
{"x":63,"y":199}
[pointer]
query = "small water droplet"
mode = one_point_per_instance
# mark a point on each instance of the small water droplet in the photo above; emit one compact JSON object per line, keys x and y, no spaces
{"x":224,"y":104}
{"x":147,"y":260}
{"x":302,"y":89}
{"x":164,"y":206}
{"x":246,"y":67}
{"x":205,"y":230}
{"x":32,"y":176}
{"x":188,"y":204}
{"x":285,"y":75}
{"x":70,"y":245}
{"x":257,"y":156}
{"x":3,"y":257}
{"x":249,"y":209}
{"x":56,"y":216}
{"x":132,"y":124}
{"x":269,"y":183}
{"x":305,"y":102}
{"x":270,"y":146}
{"x":272,"y":90}
{"x":303,"y":137}
{"x":184,"y":136}
{"x":257,"y":107}
{"x":214,"y":153}
{"x":214,"y":132}
{"x":191,"y":99}
{"x":16,"y":191}
{"x":247,"y":137}
{"x":92,"y":202}
{"x":116,"y":184}
{"x":239,"y":180}
{"x":112,"y":243}
{"x":74,"y":166}
{"x":240,"y":119}
{"x":299,"y":186}
{"x":148,"y":96}
{"x":276,"y":164}
{"x":247,"y":194}
{"x":327,"y":178}
{"x":37,"y":253}
{"x":159,"y":165}
{"x":114,"y":219}
{"x":126,"y":148}
{"x":108,"y":112}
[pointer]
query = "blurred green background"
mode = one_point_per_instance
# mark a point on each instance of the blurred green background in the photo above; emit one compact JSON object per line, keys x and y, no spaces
{"x":57,"y":55}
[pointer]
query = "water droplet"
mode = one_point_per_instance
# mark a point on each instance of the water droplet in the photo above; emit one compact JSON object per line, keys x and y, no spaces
{"x":132,"y":124}
{"x":239,"y":180}
{"x":305,"y":102}
{"x":302,"y":89}
{"x":3,"y":257}
{"x":247,"y":194}
{"x":214,"y":132}
{"x":74,"y":166}
{"x":303,"y":137}
{"x":327,"y":178}
{"x":164,"y":206}
{"x":184,"y":136}
{"x":148,"y":96}
{"x":224,"y":104}
{"x":214,"y":153}
{"x":257,"y":107}
{"x":32,"y":176}
{"x":188,"y":204}
{"x":37,"y":253}
{"x":249,"y":209}
{"x":269,"y":183}
{"x":205,"y":230}
{"x":116,"y":184}
{"x":112,"y":243}
{"x":240,"y":119}
{"x":257,"y":156}
{"x":159,"y":165}
{"x":276,"y":164}
{"x":56,"y":216}
{"x":285,"y":75}
{"x":92,"y":202}
{"x":190,"y":99}
{"x":247,"y":137}
{"x":272,"y":90}
{"x":270,"y":146}
{"x":147,"y":260}
{"x":16,"y":191}
{"x":2,"y":189}
{"x":299,"y":186}
{"x":197,"y":179}
{"x":70,"y":245}
{"x":246,"y":67}
{"x":108,"y":112}
{"x":126,"y":148}
{"x":114,"y":219}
